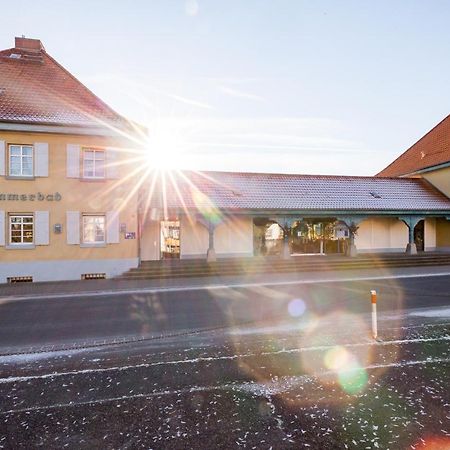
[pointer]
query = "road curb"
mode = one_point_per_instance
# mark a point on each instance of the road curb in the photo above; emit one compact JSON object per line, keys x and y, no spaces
{"x":156,"y":290}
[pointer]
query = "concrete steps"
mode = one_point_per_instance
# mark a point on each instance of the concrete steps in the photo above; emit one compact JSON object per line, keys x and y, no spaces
{"x":254,"y":266}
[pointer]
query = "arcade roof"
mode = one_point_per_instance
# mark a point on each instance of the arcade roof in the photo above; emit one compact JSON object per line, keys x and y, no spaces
{"x":265,"y":191}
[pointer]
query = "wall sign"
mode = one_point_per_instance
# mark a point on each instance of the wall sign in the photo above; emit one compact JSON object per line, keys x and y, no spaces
{"x":39,"y":197}
{"x":130,"y":235}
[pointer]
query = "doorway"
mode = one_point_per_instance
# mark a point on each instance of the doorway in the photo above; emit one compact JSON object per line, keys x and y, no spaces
{"x":419,"y":236}
{"x":170,"y":239}
{"x":319,"y":236}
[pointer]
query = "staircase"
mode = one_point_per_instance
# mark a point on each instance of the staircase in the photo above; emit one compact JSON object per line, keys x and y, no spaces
{"x":185,"y":268}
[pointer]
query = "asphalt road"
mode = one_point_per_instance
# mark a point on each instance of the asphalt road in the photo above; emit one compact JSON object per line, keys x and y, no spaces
{"x":284,"y":367}
{"x":83,"y":319}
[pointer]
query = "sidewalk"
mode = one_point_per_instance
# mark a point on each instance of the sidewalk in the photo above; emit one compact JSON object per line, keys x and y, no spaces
{"x":116,"y":287}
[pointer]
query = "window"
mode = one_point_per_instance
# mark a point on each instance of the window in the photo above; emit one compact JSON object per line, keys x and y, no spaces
{"x":21,"y":160}
{"x":21,"y":229}
{"x":93,"y":163}
{"x":93,"y":229}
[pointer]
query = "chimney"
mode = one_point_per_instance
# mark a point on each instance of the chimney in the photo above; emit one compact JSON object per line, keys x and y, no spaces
{"x":29,"y":45}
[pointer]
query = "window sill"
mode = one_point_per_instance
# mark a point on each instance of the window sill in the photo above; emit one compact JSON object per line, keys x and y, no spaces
{"x":20,"y":247}
{"x":93,"y":180}
{"x":93,"y":245}
{"x":12,"y":177}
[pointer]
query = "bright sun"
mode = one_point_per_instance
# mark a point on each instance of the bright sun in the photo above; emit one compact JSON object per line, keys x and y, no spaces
{"x":166,"y":148}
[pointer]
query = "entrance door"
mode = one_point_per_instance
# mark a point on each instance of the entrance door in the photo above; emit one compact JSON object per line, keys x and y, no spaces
{"x":170,"y":239}
{"x":419,"y":236}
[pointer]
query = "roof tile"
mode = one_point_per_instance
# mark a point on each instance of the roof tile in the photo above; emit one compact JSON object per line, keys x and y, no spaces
{"x":233,"y":191}
{"x":34,"y":88}
{"x":431,"y":150}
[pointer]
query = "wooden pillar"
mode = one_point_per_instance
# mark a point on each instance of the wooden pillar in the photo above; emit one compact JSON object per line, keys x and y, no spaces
{"x":211,"y":253}
{"x":352,"y":223}
{"x":210,"y":225}
{"x":286,"y":253}
{"x":411,"y":248}
{"x":286,"y":224}
{"x":411,"y":222}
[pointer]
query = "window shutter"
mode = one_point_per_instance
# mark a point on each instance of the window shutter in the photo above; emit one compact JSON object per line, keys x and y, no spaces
{"x":112,"y":227}
{"x":41,"y":227}
{"x":73,"y":227}
{"x":112,"y":160}
{"x":2,"y":228}
{"x":41,"y":156}
{"x":2,"y":158}
{"x":73,"y":161}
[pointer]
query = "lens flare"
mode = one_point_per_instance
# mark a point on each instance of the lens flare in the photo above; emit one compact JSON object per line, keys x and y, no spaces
{"x":206,"y":207}
{"x":337,"y":358}
{"x":433,"y":443}
{"x":296,"y":307}
{"x":350,"y":375}
{"x":353,"y":380}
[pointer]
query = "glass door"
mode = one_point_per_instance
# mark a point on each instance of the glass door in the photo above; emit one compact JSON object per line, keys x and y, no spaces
{"x":170,"y":239}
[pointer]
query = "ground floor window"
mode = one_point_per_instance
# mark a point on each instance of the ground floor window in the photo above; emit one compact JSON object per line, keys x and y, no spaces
{"x":170,"y":239}
{"x":21,"y":229}
{"x":93,"y":229}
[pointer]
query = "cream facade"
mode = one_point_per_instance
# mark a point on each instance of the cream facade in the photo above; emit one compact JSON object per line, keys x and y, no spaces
{"x":234,"y":238}
{"x":379,"y":235}
{"x":440,"y":178}
{"x":79,"y":217}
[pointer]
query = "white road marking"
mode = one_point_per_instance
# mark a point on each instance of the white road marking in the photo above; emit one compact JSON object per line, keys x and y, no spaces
{"x":213,"y":287}
{"x":214,"y":358}
{"x":437,"y":312}
{"x":285,"y":383}
{"x":233,"y":386}
{"x":30,"y":357}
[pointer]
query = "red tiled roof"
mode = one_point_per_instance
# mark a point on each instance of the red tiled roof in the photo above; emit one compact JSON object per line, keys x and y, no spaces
{"x":431,"y":150}
{"x":252,"y":191}
{"x":35,"y":89}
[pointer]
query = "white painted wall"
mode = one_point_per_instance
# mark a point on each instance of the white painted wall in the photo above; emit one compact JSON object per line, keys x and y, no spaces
{"x":150,"y":241}
{"x":381,"y":235}
{"x":193,"y":239}
{"x":233,"y":238}
{"x":363,"y":238}
{"x":398,"y":234}
{"x":430,"y":234}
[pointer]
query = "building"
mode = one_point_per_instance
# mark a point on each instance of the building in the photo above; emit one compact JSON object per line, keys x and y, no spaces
{"x":429,"y":159}
{"x":224,"y":214}
{"x":78,"y":201}
{"x":66,"y":198}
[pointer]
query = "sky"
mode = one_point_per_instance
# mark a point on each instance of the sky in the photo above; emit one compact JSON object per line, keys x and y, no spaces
{"x":318,"y":87}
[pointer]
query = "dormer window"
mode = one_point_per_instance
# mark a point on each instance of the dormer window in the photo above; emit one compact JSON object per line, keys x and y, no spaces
{"x":93,"y":163}
{"x":21,"y":160}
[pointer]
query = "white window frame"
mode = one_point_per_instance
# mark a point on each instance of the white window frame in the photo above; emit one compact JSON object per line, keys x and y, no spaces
{"x":21,"y":228}
{"x":21,"y":156}
{"x":94,"y":159}
{"x":84,"y":219}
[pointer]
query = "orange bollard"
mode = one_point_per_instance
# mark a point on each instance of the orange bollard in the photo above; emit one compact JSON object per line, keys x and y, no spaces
{"x":373,"y":297}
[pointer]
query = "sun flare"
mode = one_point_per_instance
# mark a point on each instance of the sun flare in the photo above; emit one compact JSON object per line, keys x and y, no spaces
{"x":166,"y":148}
